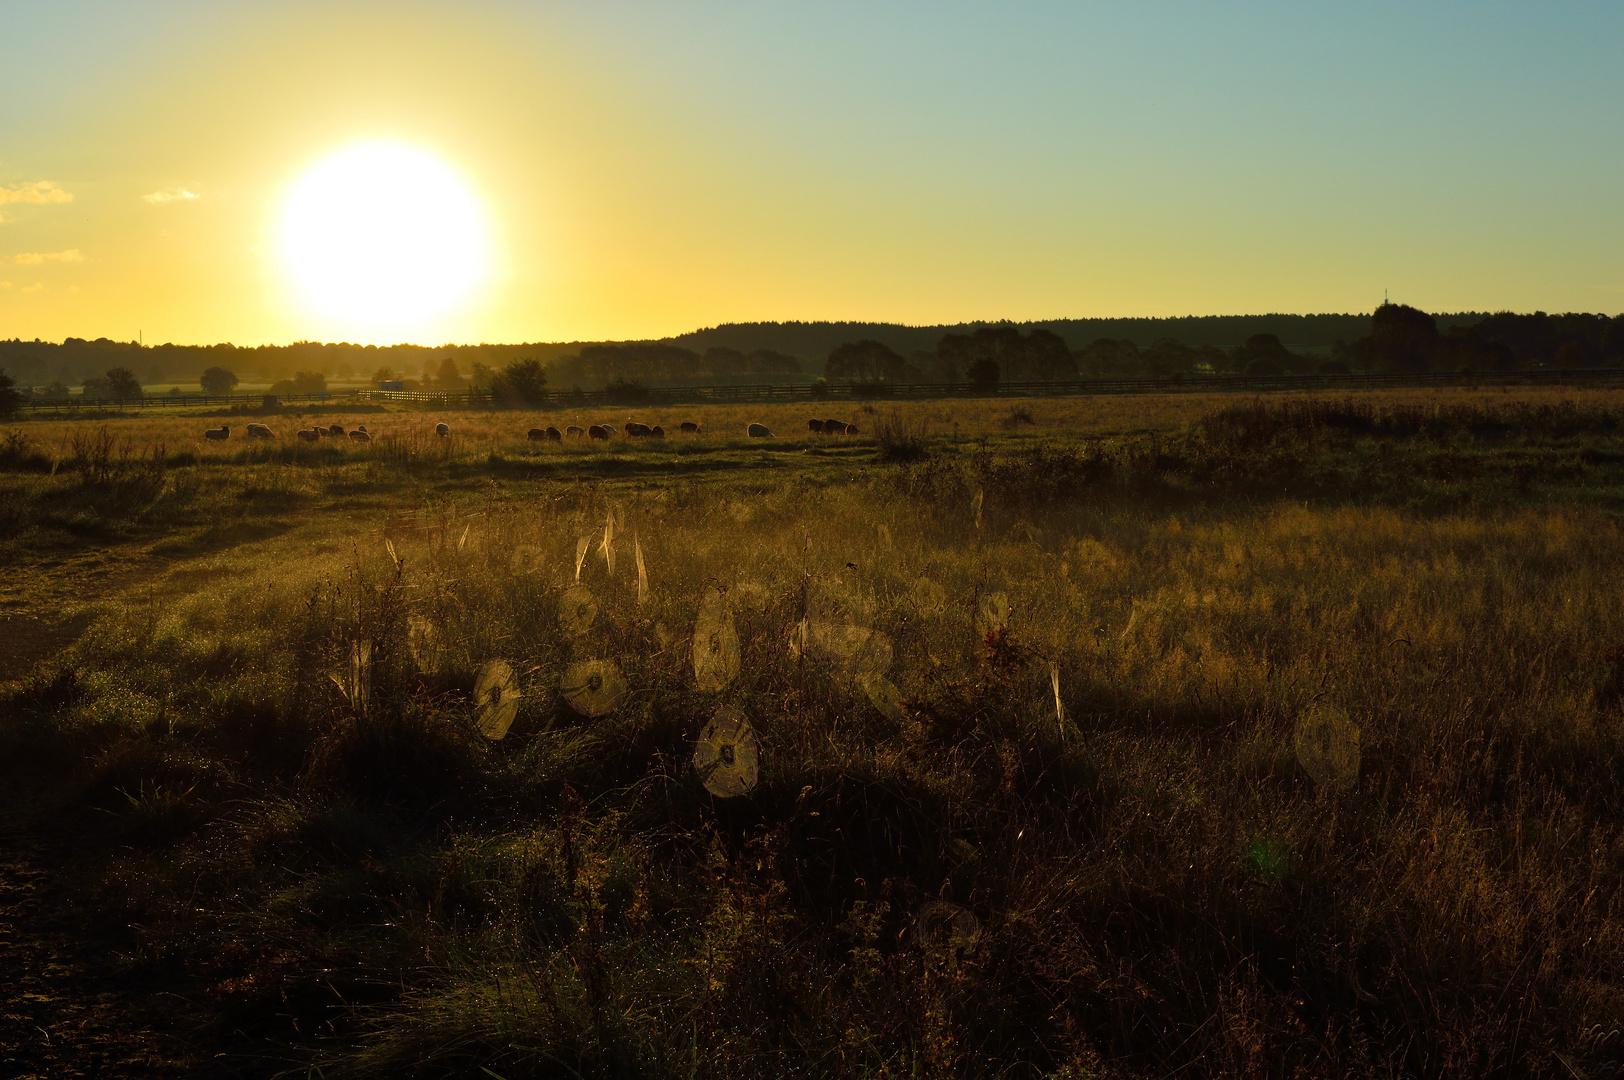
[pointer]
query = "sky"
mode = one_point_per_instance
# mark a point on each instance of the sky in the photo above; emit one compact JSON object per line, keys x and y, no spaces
{"x":639,"y":169}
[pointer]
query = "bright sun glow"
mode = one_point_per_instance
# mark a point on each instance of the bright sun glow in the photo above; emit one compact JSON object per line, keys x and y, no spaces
{"x":383,"y":238}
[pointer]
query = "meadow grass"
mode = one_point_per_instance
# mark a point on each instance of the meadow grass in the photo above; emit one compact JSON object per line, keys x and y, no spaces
{"x":1146,"y":876}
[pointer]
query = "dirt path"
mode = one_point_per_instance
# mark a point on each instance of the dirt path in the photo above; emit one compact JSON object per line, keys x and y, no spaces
{"x":64,"y":1010}
{"x":68,"y":1006}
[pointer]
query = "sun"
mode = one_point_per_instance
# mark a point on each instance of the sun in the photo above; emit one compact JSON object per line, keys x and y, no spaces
{"x":382,"y":238}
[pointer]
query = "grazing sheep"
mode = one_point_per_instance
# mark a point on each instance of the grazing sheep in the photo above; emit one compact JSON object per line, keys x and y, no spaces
{"x":656,"y":432}
{"x":260,"y":431}
{"x":814,"y":425}
{"x":312,"y":435}
{"x":851,"y":429}
{"x":554,"y":435}
{"x":336,"y":431}
{"x":360,"y":435}
{"x":536,"y":434}
{"x":574,"y":432}
{"x":218,"y":433}
{"x":834,"y":427}
{"x":637,"y":431}
{"x":689,"y":428}
{"x":442,"y":430}
{"x":759,"y":431}
{"x":611,"y":429}
{"x":597,"y":431}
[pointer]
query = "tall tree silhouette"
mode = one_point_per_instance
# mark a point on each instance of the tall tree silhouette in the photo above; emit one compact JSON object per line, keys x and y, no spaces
{"x":217,"y":381}
{"x":865,"y":361}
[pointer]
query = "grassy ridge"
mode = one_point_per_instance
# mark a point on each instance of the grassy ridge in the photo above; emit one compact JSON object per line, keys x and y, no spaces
{"x":1153,"y":880}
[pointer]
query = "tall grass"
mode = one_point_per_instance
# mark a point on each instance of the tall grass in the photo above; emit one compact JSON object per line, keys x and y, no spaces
{"x":1157,"y":885}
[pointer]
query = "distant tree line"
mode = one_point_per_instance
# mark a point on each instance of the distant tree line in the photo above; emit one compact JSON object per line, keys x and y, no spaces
{"x":818,"y":339}
{"x":656,"y":364}
{"x":1395,"y":338}
{"x":71,"y":362}
{"x":1402,"y":339}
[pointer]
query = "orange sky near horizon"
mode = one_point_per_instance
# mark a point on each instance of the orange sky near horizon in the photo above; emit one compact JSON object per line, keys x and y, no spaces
{"x":644,"y":170}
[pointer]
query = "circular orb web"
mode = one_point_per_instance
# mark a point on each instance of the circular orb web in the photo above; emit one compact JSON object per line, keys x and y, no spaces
{"x":716,"y":646}
{"x":727,"y":756}
{"x":1326,"y":742}
{"x":577,"y":611}
{"x":944,"y":924}
{"x":496,"y":695}
{"x":593,"y":688}
{"x":383,"y":237}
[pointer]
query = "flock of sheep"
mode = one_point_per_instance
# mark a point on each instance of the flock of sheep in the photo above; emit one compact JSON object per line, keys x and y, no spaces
{"x":547,"y":434}
{"x":260,"y":431}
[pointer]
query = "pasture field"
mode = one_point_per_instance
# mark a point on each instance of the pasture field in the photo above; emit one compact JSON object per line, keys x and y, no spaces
{"x":1092,"y":738}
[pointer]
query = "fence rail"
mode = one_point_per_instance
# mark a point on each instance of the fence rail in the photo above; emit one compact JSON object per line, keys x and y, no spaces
{"x":475,"y":399}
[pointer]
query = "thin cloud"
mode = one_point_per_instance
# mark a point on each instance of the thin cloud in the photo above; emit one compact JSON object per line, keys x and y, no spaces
{"x":4,"y":286}
{"x":38,"y":286}
{"x":169,"y":195}
{"x":36,"y":258}
{"x":38,"y":191}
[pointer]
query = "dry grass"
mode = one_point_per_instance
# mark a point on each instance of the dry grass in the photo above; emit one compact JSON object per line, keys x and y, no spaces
{"x":476,"y":434}
{"x":1158,"y":886}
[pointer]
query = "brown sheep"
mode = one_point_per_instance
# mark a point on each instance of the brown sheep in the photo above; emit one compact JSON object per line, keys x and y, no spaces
{"x":554,"y":435}
{"x":442,"y":430}
{"x":636,"y":430}
{"x":310,"y":436}
{"x":537,"y":434}
{"x":656,"y":432}
{"x":758,"y":431}
{"x":688,"y":427}
{"x":598,"y":431}
{"x":360,"y":434}
{"x":574,"y":432}
{"x":336,"y":431}
{"x":217,"y":434}
{"x":814,"y":425}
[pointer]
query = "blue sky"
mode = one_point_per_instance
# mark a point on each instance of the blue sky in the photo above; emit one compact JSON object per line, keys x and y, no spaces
{"x":649,"y":167}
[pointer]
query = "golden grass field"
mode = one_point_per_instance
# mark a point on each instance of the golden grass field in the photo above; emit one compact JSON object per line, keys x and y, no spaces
{"x":480,"y":432}
{"x":1142,"y":739}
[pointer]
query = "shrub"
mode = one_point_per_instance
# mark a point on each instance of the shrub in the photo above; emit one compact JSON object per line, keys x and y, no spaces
{"x":898,"y":437}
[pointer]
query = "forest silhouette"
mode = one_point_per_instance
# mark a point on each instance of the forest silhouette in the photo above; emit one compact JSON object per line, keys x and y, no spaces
{"x":1396,"y":338}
